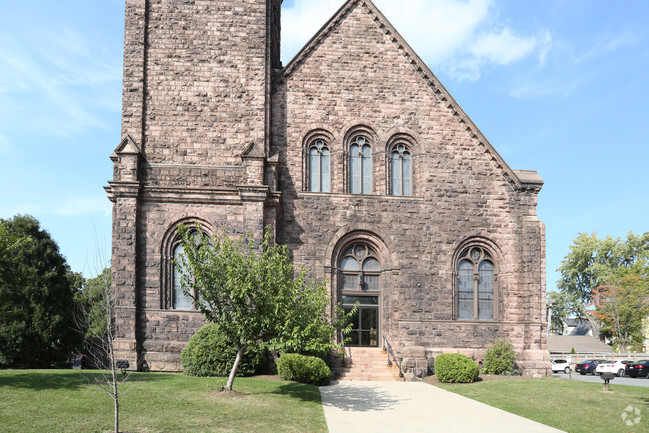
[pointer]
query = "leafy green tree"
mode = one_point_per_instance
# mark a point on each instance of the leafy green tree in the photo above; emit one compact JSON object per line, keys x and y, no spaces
{"x":36,"y":297}
{"x":91,"y":305}
{"x":564,"y":305}
{"x":592,"y":262}
{"x":253,"y":295}
{"x":621,"y":306}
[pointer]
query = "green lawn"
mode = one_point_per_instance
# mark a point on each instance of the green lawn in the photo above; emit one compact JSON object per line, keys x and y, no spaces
{"x":575,"y":407}
{"x":54,"y":401}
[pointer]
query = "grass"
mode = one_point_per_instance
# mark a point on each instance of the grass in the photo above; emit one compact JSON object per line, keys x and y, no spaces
{"x":575,"y":407}
{"x":61,"y":401}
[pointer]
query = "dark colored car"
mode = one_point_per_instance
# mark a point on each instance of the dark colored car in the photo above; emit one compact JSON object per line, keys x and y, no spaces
{"x":638,"y":369}
{"x":588,"y":366}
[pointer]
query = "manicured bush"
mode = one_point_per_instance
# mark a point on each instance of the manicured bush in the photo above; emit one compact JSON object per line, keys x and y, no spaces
{"x":500,"y":358}
{"x":209,"y":353}
{"x":456,"y":368}
{"x":304,"y":369}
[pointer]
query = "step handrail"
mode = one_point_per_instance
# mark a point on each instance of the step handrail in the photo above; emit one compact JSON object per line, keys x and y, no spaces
{"x":387,"y":347}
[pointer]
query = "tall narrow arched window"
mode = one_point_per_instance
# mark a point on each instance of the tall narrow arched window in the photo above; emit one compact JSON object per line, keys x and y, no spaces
{"x":359,"y":285}
{"x":360,"y":165}
{"x":319,"y":157}
{"x":476,"y":285}
{"x":401,"y":170}
{"x":180,"y":301}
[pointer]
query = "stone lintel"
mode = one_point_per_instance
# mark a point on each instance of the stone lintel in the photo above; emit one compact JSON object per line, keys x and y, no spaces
{"x":190,"y":195}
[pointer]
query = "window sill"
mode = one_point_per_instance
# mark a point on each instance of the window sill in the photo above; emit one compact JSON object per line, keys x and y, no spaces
{"x":304,"y":194}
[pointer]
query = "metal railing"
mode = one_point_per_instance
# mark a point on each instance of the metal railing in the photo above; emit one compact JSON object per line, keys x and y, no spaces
{"x":387,"y":347}
{"x":609,"y":356}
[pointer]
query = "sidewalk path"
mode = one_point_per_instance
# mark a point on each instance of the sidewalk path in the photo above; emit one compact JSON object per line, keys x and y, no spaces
{"x":399,"y":407}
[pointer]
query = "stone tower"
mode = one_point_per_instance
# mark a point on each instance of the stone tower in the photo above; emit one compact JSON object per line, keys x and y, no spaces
{"x":196,"y":116}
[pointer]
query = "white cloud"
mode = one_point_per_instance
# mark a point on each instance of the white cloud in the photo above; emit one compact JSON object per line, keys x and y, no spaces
{"x":502,"y":48}
{"x":462,"y":37}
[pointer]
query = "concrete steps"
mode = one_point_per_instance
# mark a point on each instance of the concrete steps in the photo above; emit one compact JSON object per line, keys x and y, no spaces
{"x":368,"y":364}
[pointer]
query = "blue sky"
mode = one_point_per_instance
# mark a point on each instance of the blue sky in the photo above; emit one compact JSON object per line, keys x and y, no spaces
{"x":557,"y":86}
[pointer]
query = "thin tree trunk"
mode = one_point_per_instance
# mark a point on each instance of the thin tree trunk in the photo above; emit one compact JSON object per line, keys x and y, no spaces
{"x":233,"y":372}
{"x":116,"y":415}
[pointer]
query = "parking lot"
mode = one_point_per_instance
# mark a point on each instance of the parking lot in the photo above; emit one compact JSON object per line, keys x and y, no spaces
{"x":640,"y":381}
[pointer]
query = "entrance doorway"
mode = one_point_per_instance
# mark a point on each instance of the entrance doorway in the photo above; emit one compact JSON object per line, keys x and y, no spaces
{"x":365,"y":323}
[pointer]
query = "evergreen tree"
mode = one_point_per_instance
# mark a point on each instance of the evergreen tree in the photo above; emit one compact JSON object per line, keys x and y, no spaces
{"x":36,"y":297}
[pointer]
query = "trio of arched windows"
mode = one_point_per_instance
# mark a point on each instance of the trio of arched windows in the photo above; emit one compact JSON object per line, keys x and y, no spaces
{"x":360,"y":170}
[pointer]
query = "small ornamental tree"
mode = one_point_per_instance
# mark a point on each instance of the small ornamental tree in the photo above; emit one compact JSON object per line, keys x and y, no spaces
{"x":621,"y":307}
{"x":500,"y":357}
{"x":253,"y":294}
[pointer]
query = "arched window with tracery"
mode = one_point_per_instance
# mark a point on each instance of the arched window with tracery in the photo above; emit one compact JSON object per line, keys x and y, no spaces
{"x":476,"y":285}
{"x":360,"y":165}
{"x":359,"y":285}
{"x":319,"y":166}
{"x":400,"y":169}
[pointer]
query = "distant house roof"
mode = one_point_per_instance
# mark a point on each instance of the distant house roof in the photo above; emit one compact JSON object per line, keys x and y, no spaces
{"x":579,"y":326}
{"x":581,"y":344}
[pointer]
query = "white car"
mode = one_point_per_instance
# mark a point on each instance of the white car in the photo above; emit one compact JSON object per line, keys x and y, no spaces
{"x":615,"y":367}
{"x":561,"y":366}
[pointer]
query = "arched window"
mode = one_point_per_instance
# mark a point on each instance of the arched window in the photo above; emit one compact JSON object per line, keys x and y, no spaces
{"x":180,"y":301}
{"x":319,"y":157}
{"x":360,"y":165}
{"x":401,"y":170}
{"x":359,"y":286}
{"x":476,"y":286}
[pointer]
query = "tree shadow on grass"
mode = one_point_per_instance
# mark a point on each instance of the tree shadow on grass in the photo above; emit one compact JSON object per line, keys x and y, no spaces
{"x":64,"y":379}
{"x":42,"y":380}
{"x":299,"y":391}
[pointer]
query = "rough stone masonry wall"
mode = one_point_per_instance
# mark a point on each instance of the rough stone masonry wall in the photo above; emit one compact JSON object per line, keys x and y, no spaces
{"x":358,"y":76}
{"x":204,"y":74}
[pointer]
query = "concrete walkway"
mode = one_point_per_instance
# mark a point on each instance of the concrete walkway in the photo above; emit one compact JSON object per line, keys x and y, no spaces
{"x":395,"y":407}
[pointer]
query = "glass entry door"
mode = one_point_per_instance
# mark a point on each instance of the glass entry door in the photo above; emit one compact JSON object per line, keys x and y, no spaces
{"x":365,"y":323}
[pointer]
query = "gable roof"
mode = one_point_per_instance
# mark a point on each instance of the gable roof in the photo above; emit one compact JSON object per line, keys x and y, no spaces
{"x":519,"y":179}
{"x":581,"y":344}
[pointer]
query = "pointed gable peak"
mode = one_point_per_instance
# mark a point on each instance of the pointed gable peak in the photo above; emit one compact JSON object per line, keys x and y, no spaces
{"x":127,"y":146}
{"x":254,"y":150}
{"x":516,"y":179}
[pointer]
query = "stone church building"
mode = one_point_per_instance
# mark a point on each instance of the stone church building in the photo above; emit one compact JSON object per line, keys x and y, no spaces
{"x":355,"y":156}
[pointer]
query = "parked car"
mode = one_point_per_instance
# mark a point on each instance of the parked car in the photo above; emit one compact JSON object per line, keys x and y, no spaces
{"x":615,"y":367}
{"x":588,"y":366}
{"x":561,"y":366}
{"x":638,"y":369}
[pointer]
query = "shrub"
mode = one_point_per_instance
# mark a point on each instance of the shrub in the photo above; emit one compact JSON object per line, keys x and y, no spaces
{"x":304,"y":369}
{"x":500,"y":357}
{"x":209,"y":353}
{"x":456,"y":368}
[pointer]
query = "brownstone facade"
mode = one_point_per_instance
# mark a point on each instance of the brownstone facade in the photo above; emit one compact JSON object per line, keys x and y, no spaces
{"x":216,"y":131}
